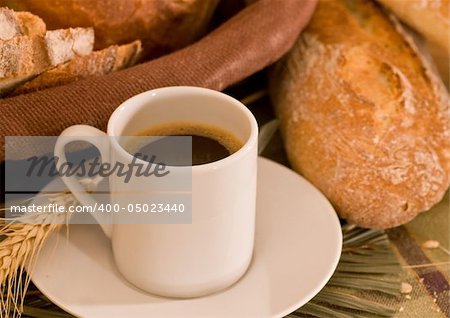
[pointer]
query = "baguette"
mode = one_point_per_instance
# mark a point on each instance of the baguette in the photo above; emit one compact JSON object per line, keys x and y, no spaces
{"x":429,"y":17}
{"x":363,"y":117}
{"x":102,"y":62}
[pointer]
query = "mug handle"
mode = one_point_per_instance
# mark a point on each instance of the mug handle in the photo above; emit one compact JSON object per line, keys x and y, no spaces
{"x":97,"y":138}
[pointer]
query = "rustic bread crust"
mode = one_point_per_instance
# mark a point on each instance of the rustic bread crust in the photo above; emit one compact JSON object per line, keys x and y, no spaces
{"x":31,"y":24}
{"x":363,"y":116}
{"x":102,"y":62}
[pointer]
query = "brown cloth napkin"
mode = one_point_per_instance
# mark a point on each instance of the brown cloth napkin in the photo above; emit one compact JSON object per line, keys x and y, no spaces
{"x":252,"y":39}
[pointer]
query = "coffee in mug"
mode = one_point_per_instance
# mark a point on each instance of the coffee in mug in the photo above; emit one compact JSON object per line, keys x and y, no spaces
{"x":214,"y":249}
{"x":209,"y":143}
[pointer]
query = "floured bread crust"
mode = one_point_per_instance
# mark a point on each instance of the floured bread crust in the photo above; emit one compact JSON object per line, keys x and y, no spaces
{"x":363,"y":116}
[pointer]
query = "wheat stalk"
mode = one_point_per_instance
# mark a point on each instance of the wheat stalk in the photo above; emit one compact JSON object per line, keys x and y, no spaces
{"x":21,"y":240}
{"x":18,"y":251}
{"x":368,"y":264}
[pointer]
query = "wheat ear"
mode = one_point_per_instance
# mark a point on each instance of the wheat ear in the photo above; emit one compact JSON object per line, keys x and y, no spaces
{"x":18,"y":251}
{"x":21,"y":240}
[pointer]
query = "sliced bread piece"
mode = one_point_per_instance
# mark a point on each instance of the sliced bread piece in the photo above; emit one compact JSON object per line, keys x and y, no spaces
{"x":102,"y":62}
{"x":24,"y":57}
{"x":14,"y":24}
{"x":64,"y":45}
{"x":9,"y":25}
{"x":21,"y":58}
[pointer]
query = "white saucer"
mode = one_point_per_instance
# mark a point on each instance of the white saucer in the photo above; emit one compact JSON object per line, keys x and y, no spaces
{"x":298,"y":245}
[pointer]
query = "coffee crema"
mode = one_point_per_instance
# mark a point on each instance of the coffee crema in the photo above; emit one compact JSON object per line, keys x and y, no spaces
{"x":209,"y":143}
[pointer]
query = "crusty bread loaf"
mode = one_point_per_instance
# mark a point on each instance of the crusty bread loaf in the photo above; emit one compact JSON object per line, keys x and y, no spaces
{"x":162,"y":26}
{"x":97,"y":63}
{"x":362,"y":116}
{"x":24,"y":57}
{"x":430,"y":17}
{"x":19,"y":23}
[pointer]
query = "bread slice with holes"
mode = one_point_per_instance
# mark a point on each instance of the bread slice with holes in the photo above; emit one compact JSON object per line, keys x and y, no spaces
{"x":102,"y":62}
{"x":25,"y":56}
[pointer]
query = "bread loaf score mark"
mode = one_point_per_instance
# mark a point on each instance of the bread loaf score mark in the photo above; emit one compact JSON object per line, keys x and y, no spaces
{"x":363,"y":116}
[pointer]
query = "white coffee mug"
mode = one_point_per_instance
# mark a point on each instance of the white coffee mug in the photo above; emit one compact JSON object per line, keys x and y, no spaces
{"x":215,"y":250}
